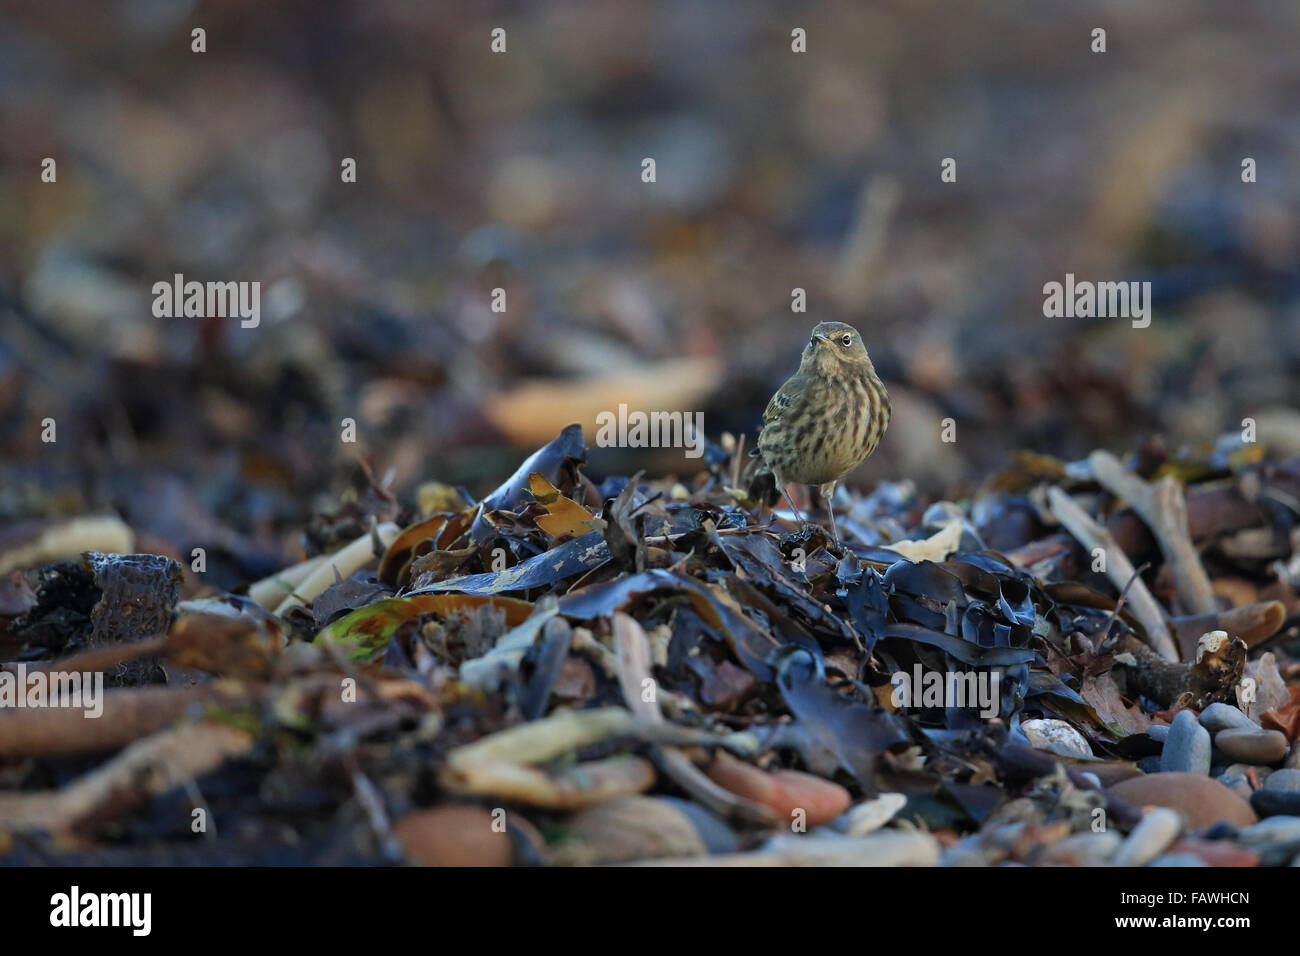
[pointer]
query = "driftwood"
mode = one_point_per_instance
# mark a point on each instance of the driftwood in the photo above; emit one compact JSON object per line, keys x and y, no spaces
{"x":1162,"y":506}
{"x":1120,"y":570}
{"x":1211,"y":676}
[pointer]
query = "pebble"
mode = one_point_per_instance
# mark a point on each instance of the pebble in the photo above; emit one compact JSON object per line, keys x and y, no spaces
{"x":1201,"y":800}
{"x":1276,"y":803}
{"x":1158,"y":732}
{"x":1215,"y":852}
{"x":453,"y":835}
{"x":1220,"y":716}
{"x":1238,"y":784}
{"x":1252,"y":746}
{"x":1149,"y":765}
{"x":1283,"y":780}
{"x":713,"y":830}
{"x":625,"y":829}
{"x":1187,"y":749}
{"x":1159,"y":828}
{"x":885,"y":848}
{"x":785,"y":791}
{"x":1085,"y":849}
{"x":1056,"y":736}
{"x":1179,"y":859}
{"x":1272,"y":830}
{"x":871,"y":815}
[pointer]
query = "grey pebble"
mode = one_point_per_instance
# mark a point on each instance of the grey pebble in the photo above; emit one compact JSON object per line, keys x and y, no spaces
{"x":1220,"y":716}
{"x":1276,"y":803}
{"x":1158,"y":732}
{"x":1187,"y":748}
{"x":1272,"y":830}
{"x":1283,"y":780}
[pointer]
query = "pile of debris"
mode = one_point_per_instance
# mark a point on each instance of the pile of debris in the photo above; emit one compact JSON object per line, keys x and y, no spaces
{"x":1085,"y":663}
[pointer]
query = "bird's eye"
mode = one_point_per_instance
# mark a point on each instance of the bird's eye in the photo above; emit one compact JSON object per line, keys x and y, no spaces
{"x":847,"y":340}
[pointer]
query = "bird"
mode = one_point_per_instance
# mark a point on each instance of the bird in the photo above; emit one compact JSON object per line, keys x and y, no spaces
{"x":826,"y":419}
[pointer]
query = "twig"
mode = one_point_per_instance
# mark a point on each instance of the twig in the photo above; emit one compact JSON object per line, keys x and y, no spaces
{"x":1118,"y":568}
{"x":1164,"y":510}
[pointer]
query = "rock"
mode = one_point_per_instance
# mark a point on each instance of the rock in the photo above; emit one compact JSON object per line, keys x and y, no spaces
{"x":626,"y":829}
{"x":1238,"y":784}
{"x":785,"y":791}
{"x":1085,"y":849}
{"x":1201,"y":800}
{"x":718,"y":837}
{"x":1159,"y":828}
{"x":1283,"y":780}
{"x":1149,"y":765}
{"x":1272,"y":830}
{"x":1187,"y":748}
{"x":454,"y":835}
{"x":871,"y":815}
{"x":1252,"y":746}
{"x":883,"y":848}
{"x":1158,"y":732}
{"x":1056,"y":736}
{"x":1220,"y":716}
{"x":1276,"y":803}
{"x":1178,"y":859}
{"x":1214,"y":852}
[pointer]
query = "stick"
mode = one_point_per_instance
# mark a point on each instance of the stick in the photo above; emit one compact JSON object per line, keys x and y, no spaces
{"x":1163,"y":508}
{"x":1118,"y":568}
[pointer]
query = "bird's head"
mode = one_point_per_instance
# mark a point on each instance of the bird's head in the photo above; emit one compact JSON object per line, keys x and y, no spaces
{"x":834,"y":348}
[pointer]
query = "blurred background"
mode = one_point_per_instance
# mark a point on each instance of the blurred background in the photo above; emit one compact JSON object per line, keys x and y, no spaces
{"x":522,"y":171}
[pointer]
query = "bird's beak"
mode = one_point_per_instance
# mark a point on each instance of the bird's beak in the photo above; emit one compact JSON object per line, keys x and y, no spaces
{"x":823,"y":339}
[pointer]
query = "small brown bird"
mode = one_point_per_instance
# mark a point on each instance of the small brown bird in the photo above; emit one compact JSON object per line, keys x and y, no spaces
{"x":827,"y":418}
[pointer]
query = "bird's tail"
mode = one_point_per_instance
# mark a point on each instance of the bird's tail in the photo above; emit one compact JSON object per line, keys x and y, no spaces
{"x":760,"y":480}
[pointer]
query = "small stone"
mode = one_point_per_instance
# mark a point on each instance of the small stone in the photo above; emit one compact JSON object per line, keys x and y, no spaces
{"x":1158,"y":732}
{"x":1252,"y":746}
{"x":1085,"y":849}
{"x":1178,"y":859}
{"x":1283,"y":780}
{"x":718,"y":837}
{"x":884,"y":848}
{"x":1276,"y":803}
{"x":1056,"y":736}
{"x":453,"y":835}
{"x":1187,"y":749}
{"x":1214,"y":852}
{"x":625,"y":829}
{"x":871,"y":815}
{"x":1238,"y":784}
{"x":1150,"y":764}
{"x":1219,"y":716}
{"x":1272,"y":830}
{"x":1201,"y":800}
{"x":1159,"y":828}
{"x":785,"y":791}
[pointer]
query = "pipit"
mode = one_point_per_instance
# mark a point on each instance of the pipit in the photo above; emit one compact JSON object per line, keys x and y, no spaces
{"x":826,"y":419}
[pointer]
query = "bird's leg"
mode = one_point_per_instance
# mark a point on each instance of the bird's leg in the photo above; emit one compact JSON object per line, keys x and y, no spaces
{"x":828,"y":492}
{"x":785,"y":490}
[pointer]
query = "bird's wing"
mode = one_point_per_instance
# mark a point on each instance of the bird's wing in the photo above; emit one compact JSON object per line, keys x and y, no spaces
{"x":782,"y":400}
